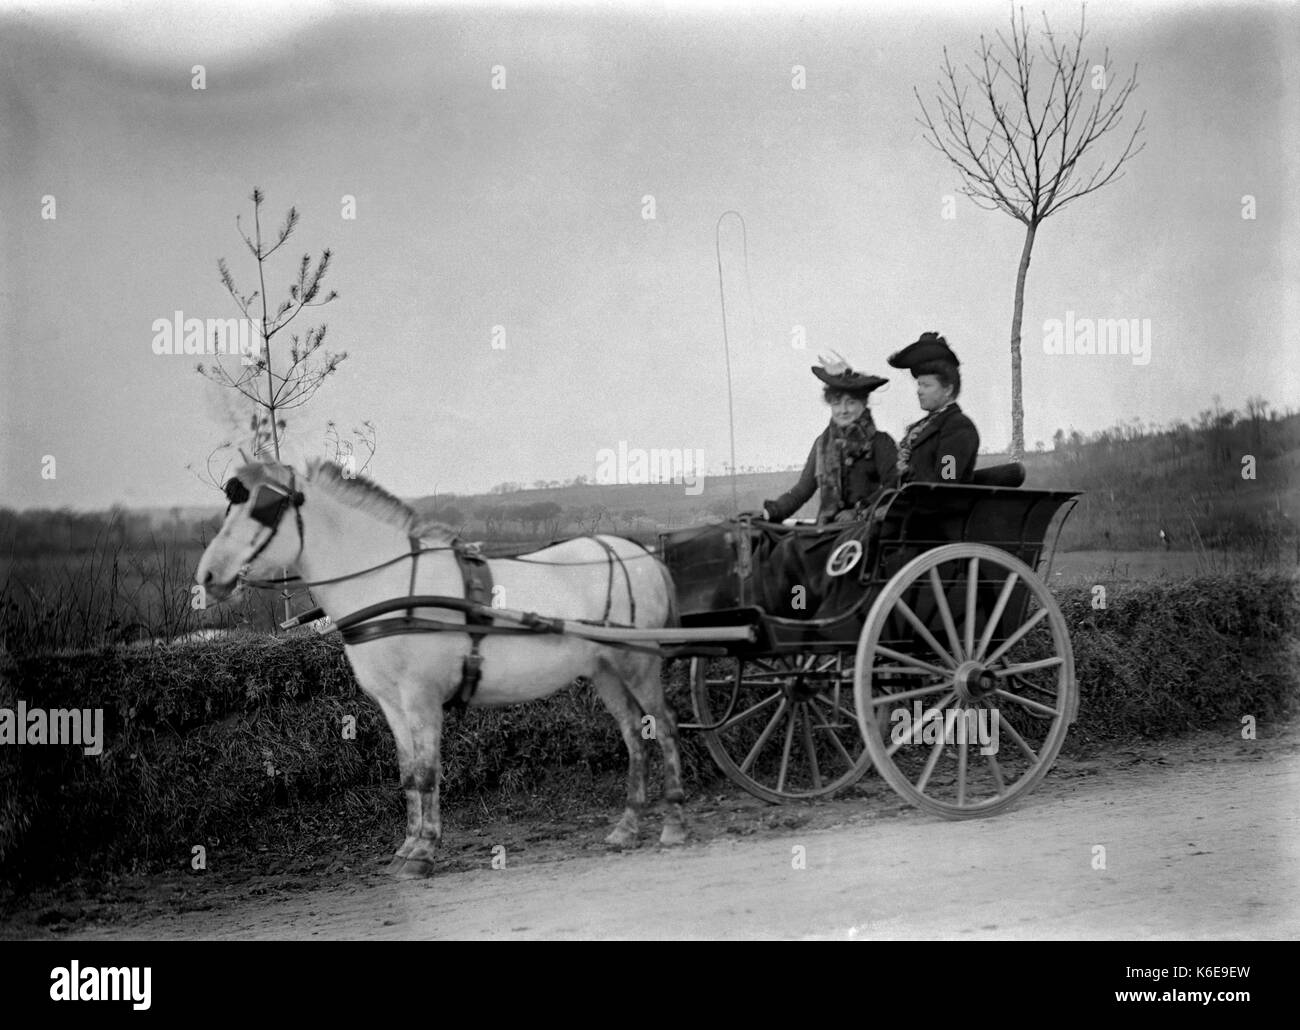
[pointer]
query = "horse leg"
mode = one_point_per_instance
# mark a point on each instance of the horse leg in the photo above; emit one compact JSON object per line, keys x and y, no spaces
{"x":646,"y":685}
{"x":424,"y":716}
{"x":412,"y":823}
{"x":621,"y":705}
{"x":406,"y":765}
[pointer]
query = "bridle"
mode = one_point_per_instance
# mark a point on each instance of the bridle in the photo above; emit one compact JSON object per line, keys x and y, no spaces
{"x":268,"y":511}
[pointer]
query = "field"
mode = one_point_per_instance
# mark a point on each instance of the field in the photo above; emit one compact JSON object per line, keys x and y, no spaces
{"x":1080,"y":568}
{"x":114,"y":596}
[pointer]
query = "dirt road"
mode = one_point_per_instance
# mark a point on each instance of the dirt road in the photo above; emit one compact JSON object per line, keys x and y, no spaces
{"x":1196,"y":840}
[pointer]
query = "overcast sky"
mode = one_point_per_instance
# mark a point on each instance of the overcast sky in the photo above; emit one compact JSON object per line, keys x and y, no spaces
{"x":523,"y":208}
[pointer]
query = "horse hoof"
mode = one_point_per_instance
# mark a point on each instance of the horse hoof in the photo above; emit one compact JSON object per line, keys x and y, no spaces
{"x":673,"y":836}
{"x":621,"y":838}
{"x":415,"y":869}
{"x":395,"y":865}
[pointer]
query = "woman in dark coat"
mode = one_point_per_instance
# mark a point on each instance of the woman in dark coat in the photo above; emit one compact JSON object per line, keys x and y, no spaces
{"x":941,"y":447}
{"x":851,"y":463}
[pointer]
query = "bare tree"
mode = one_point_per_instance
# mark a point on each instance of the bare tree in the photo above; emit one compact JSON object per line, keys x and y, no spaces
{"x":1020,"y":152}
{"x":590,"y":517}
{"x":269,"y":392}
{"x":492,"y":516}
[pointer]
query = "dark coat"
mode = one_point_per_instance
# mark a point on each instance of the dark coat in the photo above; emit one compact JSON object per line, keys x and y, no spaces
{"x":952,"y":433}
{"x":865,"y":479}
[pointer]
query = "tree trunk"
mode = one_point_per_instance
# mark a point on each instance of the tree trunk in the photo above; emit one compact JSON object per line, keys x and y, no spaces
{"x":1017,"y":402}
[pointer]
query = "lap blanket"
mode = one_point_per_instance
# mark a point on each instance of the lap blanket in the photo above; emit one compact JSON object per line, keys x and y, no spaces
{"x":795,"y":582}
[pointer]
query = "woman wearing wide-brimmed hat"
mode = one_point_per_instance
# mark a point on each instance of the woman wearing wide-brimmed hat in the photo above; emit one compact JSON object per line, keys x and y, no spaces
{"x":850,"y":464}
{"x":851,"y":461}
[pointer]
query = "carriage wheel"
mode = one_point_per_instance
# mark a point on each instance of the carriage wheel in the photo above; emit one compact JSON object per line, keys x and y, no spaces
{"x":792,"y":732}
{"x":964,"y":680}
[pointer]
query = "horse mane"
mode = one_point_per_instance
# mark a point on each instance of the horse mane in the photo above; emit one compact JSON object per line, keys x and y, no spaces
{"x":364,"y":494}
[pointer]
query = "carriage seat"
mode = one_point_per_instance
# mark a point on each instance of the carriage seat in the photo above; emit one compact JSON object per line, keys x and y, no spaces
{"x":1010,"y":474}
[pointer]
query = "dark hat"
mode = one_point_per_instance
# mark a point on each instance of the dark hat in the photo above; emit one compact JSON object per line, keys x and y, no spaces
{"x":835,"y":372}
{"x":930,"y":347}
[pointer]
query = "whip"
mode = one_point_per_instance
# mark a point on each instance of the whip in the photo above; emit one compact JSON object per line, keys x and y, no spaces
{"x":726,"y":343}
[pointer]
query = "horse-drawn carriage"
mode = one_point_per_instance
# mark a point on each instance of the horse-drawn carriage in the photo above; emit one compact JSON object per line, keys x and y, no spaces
{"x":948,"y":666}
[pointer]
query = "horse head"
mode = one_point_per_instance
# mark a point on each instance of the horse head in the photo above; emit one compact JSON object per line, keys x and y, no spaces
{"x":258,"y":535}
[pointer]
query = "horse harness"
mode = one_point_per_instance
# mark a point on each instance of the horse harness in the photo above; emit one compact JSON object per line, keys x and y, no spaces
{"x":476,"y":580}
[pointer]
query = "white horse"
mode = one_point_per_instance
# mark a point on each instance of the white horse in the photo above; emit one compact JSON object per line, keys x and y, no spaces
{"x":327,"y":528}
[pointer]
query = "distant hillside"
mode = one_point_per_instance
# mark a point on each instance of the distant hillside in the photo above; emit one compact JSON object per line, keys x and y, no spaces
{"x":643,"y":506}
{"x":1229,"y":482}
{"x":655,"y":504}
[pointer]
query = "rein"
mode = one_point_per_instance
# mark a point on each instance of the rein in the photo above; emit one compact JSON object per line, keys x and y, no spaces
{"x":272,"y":584}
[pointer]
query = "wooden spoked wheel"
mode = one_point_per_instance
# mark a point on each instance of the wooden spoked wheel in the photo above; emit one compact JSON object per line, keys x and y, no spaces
{"x":964,"y":680}
{"x":792,"y":731}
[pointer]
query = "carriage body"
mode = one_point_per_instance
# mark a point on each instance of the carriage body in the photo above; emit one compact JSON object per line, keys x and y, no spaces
{"x":718,"y":568}
{"x":945,"y":615}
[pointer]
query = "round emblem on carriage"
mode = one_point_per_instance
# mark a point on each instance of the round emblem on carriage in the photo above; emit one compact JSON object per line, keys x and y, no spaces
{"x":843,"y":558}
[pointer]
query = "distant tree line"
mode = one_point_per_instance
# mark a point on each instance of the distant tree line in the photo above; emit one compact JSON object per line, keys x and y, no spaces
{"x":1216,"y":439}
{"x":45,"y":530}
{"x":512,"y":487}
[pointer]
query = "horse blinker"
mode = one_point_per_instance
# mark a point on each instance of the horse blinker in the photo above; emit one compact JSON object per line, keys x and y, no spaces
{"x":268,"y":506}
